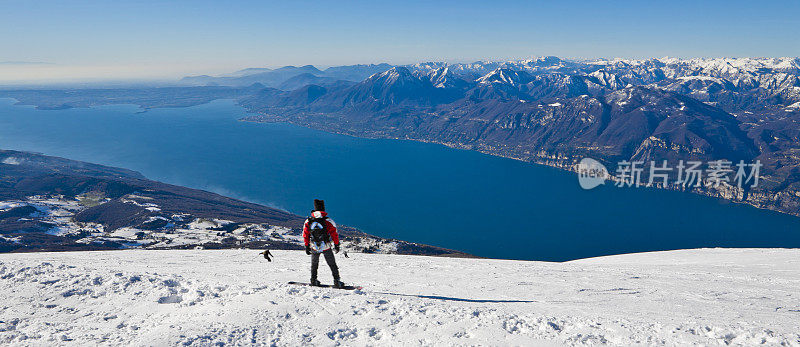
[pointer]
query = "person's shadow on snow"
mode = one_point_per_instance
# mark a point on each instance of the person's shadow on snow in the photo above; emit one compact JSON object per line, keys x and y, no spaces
{"x":447,"y":298}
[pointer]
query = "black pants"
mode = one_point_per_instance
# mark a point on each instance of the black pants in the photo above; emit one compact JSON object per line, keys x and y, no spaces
{"x":329,"y":259}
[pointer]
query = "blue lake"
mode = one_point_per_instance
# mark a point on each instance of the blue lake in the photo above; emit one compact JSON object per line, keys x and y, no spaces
{"x":418,"y":192}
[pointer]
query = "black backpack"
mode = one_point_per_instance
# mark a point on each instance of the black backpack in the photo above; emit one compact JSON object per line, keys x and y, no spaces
{"x":319,"y":229}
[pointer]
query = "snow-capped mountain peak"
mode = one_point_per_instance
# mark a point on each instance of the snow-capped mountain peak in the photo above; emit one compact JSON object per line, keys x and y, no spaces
{"x":444,"y":77}
{"x":397,"y":74}
{"x":607,"y":79}
{"x":505,"y":75}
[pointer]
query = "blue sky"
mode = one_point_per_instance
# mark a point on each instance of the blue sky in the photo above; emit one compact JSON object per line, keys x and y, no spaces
{"x":177,"y":37}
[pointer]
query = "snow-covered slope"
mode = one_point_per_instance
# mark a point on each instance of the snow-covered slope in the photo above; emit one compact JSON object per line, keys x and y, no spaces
{"x":201,"y":297}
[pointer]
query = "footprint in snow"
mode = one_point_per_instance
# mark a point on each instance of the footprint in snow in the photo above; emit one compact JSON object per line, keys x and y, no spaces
{"x":170,"y":299}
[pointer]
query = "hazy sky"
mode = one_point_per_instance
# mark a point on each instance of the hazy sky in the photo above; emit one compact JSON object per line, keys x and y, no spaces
{"x":146,"y":39}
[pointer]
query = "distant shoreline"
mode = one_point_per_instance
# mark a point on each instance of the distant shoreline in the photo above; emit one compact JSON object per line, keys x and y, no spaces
{"x":553,"y":160}
{"x":563,"y":164}
{"x":125,"y":200}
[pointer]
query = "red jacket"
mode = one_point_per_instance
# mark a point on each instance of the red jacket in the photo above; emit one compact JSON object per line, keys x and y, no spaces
{"x":330,"y":227}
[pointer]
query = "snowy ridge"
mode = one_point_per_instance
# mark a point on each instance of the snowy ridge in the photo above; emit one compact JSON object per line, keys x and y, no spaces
{"x":673,"y":67}
{"x":146,"y":297}
{"x":162,"y":231}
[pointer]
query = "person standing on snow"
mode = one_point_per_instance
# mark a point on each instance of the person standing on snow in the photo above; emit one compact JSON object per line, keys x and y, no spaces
{"x":319,"y":232}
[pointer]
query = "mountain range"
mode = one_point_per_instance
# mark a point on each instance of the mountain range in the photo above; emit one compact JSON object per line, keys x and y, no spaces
{"x":546,"y":110}
{"x":288,"y":77}
{"x":556,"y":111}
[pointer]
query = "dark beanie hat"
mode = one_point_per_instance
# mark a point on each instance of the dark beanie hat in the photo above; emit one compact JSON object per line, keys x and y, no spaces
{"x":319,"y":205}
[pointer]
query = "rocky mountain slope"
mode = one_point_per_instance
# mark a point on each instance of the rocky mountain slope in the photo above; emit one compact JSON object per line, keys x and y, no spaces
{"x":49,"y":203}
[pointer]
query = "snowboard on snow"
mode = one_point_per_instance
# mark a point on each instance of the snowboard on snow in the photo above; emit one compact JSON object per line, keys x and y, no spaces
{"x":346,"y":287}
